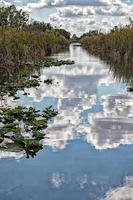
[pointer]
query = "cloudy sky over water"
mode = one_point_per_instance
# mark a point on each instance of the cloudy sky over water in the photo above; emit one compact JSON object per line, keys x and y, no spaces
{"x":78,"y":15}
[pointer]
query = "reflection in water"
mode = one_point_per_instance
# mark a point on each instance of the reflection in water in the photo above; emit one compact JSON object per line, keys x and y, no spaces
{"x":88,"y":151}
{"x":114,"y":125}
{"x":90,"y":102}
{"x":57,"y":180}
{"x":83,"y":182}
{"x":10,"y":154}
{"x":122,"y":71}
{"x":124,"y":192}
{"x":60,"y":179}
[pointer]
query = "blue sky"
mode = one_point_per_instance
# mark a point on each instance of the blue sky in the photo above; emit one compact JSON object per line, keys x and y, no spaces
{"x":78,"y":15}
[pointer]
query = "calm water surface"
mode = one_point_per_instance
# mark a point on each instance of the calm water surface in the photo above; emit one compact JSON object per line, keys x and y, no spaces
{"x":89,"y":153}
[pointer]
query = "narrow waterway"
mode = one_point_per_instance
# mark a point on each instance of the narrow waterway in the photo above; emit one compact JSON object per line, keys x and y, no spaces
{"x":88,"y":154}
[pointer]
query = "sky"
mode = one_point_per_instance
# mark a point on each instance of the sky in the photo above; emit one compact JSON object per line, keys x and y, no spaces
{"x":78,"y":16}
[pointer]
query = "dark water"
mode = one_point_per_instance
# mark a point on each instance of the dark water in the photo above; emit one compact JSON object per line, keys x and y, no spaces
{"x":89,"y":152}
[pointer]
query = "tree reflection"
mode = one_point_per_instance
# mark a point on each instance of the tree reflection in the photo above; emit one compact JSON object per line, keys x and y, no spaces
{"x":122,"y":71}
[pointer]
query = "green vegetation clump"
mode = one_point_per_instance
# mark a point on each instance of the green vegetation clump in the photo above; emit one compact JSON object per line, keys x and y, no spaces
{"x":11,"y":88}
{"x":48,"y":81}
{"x":49,"y":62}
{"x":31,"y":83}
{"x":23,"y":127}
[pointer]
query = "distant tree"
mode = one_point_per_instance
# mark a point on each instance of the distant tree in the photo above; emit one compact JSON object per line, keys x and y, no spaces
{"x":91,"y":33}
{"x":64,"y":33}
{"x":10,"y":16}
{"x":74,"y":38}
{"x":39,"y":26}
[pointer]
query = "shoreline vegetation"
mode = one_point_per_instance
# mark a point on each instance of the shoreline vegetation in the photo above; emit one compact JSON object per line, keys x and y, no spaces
{"x":24,"y":40}
{"x":116,"y":45}
{"x":115,"y":48}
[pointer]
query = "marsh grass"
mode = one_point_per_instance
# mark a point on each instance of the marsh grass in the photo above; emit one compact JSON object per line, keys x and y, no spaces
{"x":116,"y":45}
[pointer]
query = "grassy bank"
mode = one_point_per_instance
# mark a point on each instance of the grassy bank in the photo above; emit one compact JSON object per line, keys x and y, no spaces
{"x":23,"y":41}
{"x":116,"y":45}
{"x":17,"y":46}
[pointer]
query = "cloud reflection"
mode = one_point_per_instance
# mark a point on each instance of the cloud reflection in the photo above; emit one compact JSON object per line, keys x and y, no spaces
{"x":57,"y":180}
{"x":124,"y":192}
{"x":113,"y":127}
{"x":8,"y":154}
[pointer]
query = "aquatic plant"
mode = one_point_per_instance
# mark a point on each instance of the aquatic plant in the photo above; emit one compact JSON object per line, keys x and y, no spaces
{"x":48,"y":81}
{"x":23,"y":78}
{"x":31,"y":83}
{"x":24,"y":127}
{"x":49,"y":62}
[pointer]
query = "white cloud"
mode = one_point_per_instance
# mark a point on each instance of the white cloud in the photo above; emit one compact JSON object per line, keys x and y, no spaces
{"x":119,"y":10}
{"x":75,"y":11}
{"x":56,"y":3}
{"x":111,"y":10}
{"x":4,"y":3}
{"x":78,"y":16}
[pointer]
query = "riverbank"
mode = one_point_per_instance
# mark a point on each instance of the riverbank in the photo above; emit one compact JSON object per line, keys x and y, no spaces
{"x":25,"y":46}
{"x":22,"y":41}
{"x":116,"y":45}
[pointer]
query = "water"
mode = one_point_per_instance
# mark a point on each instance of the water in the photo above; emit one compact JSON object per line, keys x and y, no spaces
{"x":88,"y":154}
